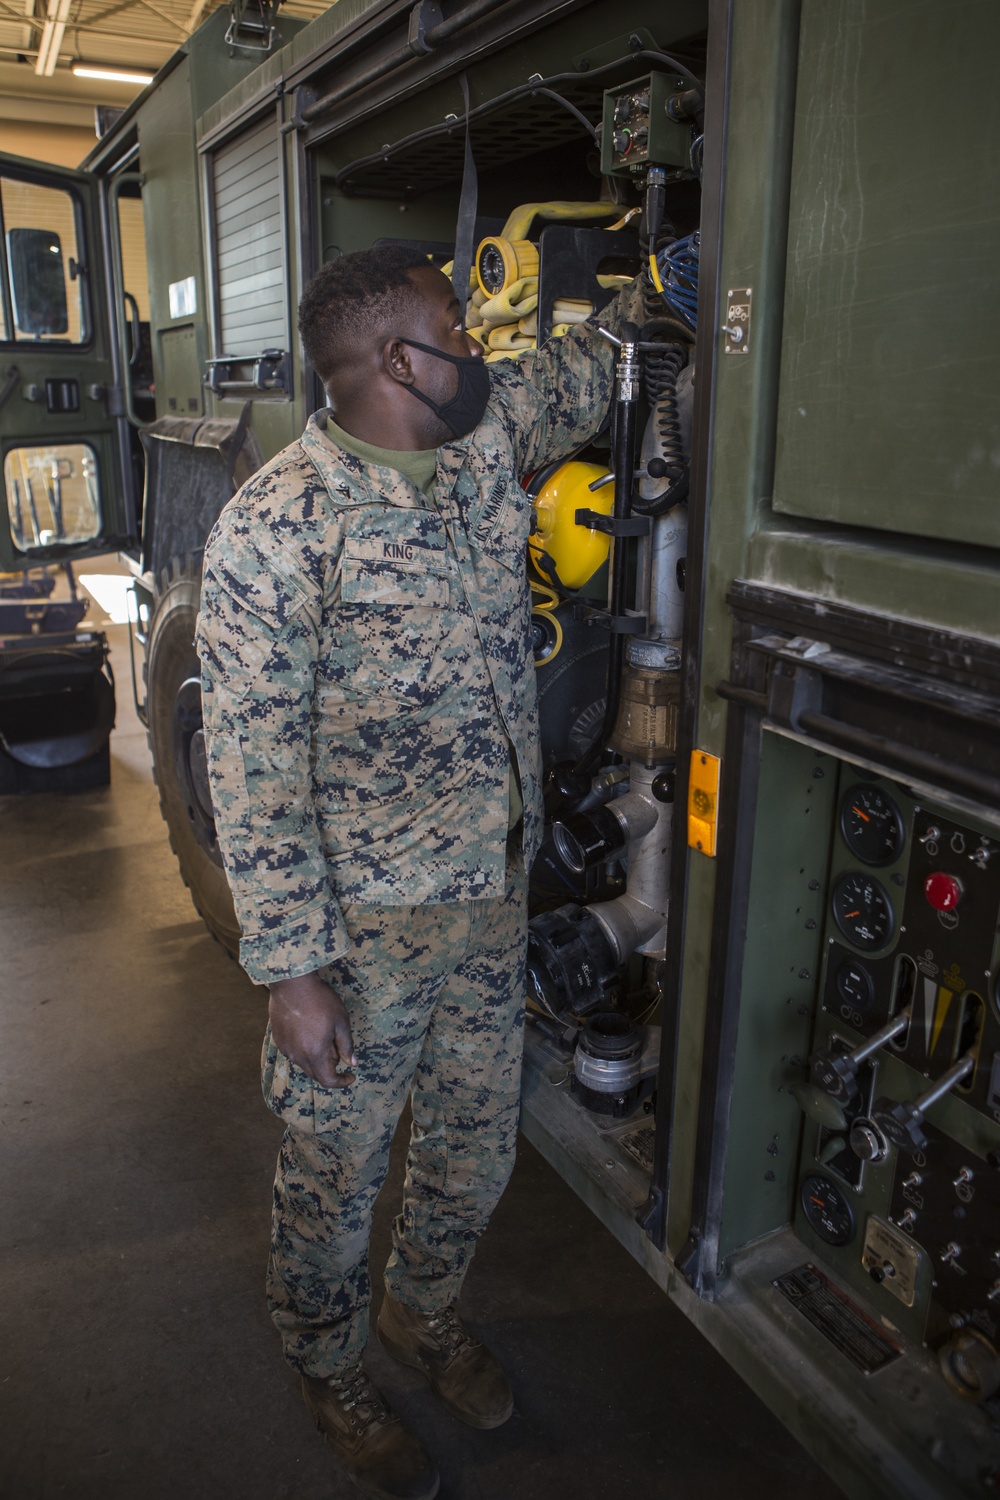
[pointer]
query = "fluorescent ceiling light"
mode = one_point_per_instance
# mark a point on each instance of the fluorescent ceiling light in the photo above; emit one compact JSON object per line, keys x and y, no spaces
{"x":56,"y":16}
{"x":114,"y":75}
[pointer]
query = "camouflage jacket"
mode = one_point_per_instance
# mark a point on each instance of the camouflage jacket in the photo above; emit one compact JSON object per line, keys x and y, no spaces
{"x":367,"y":665}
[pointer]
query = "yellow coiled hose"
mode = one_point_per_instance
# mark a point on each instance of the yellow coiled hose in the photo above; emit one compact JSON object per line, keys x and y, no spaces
{"x":501,"y":314}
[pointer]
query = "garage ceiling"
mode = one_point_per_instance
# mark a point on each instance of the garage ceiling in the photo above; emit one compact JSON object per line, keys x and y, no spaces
{"x":40,"y":40}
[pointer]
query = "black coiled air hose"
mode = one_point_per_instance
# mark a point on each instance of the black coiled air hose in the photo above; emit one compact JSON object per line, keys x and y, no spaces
{"x":671,"y":463}
{"x":661,"y":370}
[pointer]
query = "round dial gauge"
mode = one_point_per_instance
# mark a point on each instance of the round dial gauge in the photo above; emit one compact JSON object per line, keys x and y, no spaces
{"x":827,"y":1211}
{"x":872,"y":825}
{"x":855,"y":986}
{"x":862,"y":910}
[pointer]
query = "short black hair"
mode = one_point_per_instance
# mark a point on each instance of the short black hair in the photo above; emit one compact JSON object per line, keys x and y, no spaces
{"x":354,"y":300}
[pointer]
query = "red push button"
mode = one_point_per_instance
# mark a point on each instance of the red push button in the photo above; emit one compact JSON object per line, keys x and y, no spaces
{"x":943,"y":892}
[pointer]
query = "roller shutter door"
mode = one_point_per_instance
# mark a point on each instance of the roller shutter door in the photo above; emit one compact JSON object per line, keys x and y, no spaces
{"x":250,"y":243}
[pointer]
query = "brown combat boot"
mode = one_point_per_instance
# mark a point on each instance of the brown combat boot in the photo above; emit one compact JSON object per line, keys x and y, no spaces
{"x":381,"y":1456}
{"x":460,"y":1369}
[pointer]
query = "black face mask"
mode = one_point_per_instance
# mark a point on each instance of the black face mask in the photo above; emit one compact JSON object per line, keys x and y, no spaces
{"x":464,"y":412}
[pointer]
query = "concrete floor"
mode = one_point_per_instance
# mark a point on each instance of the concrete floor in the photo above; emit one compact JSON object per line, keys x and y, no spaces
{"x":137,"y":1355}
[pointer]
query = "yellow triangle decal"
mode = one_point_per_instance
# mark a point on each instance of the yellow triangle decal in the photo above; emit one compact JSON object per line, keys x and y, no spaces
{"x":944,"y":999}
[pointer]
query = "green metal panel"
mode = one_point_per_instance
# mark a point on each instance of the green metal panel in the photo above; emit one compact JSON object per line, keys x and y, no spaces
{"x":179,"y":371}
{"x":310,"y":39}
{"x":795,"y":801}
{"x":757,"y":145}
{"x":172,"y":216}
{"x":217,"y":69}
{"x":753,"y":531}
{"x":933,"y":584}
{"x":353,"y":223}
{"x":891,"y":363}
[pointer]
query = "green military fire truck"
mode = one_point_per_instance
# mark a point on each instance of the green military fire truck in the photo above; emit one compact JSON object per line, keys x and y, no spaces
{"x":764,"y":964}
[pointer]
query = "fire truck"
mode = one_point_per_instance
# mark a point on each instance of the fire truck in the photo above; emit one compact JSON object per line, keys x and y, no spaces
{"x":764,"y":963}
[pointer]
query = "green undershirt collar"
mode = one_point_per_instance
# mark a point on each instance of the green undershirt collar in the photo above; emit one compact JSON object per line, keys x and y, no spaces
{"x":419,"y":466}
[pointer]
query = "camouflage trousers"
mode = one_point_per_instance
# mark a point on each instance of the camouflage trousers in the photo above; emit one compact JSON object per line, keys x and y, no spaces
{"x":435,"y":995}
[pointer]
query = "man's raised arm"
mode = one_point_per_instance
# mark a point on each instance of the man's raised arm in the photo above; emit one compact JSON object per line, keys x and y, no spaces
{"x":558,"y":395}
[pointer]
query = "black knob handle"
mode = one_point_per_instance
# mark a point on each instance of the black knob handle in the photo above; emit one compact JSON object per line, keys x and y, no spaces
{"x":836,"y":1073}
{"x":901,"y":1123}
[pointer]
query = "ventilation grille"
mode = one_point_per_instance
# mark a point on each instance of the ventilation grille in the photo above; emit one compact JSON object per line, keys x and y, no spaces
{"x":435,"y":158}
{"x":249,"y":243}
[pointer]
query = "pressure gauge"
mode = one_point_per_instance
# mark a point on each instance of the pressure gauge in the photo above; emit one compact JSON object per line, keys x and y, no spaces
{"x":862,"y":910}
{"x":872,"y":824}
{"x":827,"y":1210}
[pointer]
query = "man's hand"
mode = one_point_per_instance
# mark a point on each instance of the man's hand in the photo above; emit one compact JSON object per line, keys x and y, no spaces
{"x":310,"y":1025}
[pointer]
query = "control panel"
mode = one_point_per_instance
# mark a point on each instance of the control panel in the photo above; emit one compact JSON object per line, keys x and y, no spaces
{"x":899,"y":1189}
{"x":645,"y":125}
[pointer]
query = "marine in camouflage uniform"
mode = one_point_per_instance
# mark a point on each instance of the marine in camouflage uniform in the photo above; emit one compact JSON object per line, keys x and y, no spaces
{"x":368,"y":686}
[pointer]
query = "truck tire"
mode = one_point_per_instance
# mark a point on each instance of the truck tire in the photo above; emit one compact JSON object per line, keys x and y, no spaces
{"x":177,"y":744}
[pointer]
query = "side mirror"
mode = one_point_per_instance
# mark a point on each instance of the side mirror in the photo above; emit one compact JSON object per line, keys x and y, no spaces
{"x":38,"y":282}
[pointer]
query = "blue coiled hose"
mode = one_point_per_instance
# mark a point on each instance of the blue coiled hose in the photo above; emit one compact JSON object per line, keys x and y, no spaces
{"x":678,"y":267}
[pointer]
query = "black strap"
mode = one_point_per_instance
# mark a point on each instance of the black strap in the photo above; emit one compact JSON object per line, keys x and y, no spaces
{"x":614,"y":525}
{"x":236,"y":446}
{"x":628,"y":624}
{"x":465,"y":229}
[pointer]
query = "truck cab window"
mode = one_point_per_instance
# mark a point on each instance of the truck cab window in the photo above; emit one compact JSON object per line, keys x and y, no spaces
{"x":52,"y":494}
{"x":42,"y":264}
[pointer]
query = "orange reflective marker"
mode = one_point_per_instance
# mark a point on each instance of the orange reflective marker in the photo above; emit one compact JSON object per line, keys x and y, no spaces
{"x":703,"y":801}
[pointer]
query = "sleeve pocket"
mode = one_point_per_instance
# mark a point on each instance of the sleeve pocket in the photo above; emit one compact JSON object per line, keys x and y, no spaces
{"x":236,"y":637}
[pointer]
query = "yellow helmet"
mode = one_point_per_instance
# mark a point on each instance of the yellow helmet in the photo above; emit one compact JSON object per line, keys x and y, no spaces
{"x":575,"y":552}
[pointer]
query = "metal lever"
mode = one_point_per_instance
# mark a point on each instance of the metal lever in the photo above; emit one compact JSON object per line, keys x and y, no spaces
{"x":901,"y":1120}
{"x":643,"y":346}
{"x":836,"y":1073}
